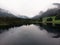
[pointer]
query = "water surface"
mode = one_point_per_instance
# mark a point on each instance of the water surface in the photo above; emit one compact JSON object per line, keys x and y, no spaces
{"x":29,"y":35}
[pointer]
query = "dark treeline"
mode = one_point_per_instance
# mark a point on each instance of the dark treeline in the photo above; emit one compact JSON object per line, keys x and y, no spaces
{"x":13,"y":21}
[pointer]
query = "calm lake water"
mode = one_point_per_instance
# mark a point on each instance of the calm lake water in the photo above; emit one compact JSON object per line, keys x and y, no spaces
{"x":30,"y":35}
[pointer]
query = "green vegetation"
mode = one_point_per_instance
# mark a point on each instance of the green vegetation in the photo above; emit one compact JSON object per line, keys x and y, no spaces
{"x":51,"y":19}
{"x":11,"y":21}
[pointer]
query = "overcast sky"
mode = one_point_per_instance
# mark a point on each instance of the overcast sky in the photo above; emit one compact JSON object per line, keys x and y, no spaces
{"x":27,"y":7}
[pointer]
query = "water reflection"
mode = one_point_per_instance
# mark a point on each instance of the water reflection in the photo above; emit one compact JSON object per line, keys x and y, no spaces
{"x":52,"y":29}
{"x":6,"y":28}
{"x":27,"y":35}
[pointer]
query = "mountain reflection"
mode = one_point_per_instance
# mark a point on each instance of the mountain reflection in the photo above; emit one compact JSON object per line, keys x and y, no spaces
{"x":29,"y":35}
{"x":6,"y":28}
{"x":52,"y":29}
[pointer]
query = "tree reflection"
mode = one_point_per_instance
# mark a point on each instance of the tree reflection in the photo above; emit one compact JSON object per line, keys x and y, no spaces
{"x":6,"y":28}
{"x":51,"y":29}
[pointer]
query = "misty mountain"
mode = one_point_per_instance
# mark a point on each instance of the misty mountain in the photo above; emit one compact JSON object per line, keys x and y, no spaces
{"x":5,"y":13}
{"x":38,"y":16}
{"x":21,"y":16}
{"x":50,"y":12}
